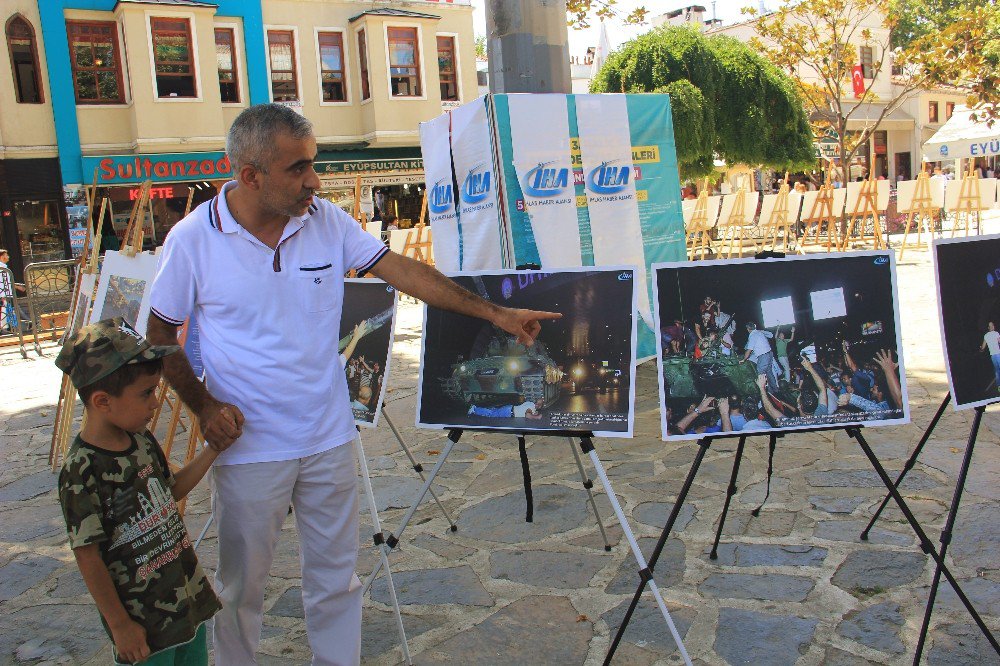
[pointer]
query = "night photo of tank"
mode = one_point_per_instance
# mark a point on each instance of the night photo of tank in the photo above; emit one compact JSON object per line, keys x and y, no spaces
{"x":578,"y":376}
{"x":778,"y":344}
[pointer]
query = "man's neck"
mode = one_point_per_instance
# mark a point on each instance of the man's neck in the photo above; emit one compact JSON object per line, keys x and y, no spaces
{"x":103,"y":434}
{"x":264,"y":225}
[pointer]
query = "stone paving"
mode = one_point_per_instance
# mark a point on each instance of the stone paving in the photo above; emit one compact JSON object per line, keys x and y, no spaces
{"x":793,"y":585}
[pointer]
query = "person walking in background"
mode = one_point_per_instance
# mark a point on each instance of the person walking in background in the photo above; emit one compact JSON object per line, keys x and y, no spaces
{"x":991,"y":344}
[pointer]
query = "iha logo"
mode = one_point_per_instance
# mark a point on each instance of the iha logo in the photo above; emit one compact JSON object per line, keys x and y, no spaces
{"x":507,"y":288}
{"x":608,"y":178}
{"x":881,"y":261}
{"x":477,"y":184}
{"x":944,"y":150}
{"x":545,"y":181}
{"x":441,"y":199}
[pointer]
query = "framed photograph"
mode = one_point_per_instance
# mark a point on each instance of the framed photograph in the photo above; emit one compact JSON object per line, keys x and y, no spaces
{"x":968,"y":284}
{"x":755,"y":346}
{"x":366,"y":326}
{"x":578,"y":376}
{"x":123,"y":288}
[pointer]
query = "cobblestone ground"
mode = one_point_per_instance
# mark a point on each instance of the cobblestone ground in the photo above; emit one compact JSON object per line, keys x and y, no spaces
{"x":793,"y":585}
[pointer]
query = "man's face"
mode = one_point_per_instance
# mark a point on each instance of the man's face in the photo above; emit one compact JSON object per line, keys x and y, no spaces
{"x":288,"y":186}
{"x":4,"y":258}
{"x":991,"y":325}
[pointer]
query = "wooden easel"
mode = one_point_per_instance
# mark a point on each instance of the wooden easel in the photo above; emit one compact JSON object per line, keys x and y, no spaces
{"x":418,"y":245}
{"x":969,"y":203}
{"x":865,"y":206}
{"x":781,"y":219}
{"x":922,"y":208}
{"x":821,"y":213}
{"x":736,"y":225}
{"x":699,"y":229}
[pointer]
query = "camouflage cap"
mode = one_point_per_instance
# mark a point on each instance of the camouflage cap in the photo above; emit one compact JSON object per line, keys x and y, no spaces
{"x":99,"y":349}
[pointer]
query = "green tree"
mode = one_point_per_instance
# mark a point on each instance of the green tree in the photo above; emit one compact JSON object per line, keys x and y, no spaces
{"x":727,"y":100}
{"x":579,"y":12}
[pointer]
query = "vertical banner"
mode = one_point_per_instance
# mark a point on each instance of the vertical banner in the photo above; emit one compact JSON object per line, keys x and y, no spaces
{"x":543,"y":163}
{"x":435,"y":146}
{"x":606,"y":155}
{"x":471,"y":149}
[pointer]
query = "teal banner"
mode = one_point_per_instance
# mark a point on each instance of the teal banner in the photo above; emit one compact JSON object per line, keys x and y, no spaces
{"x":158,"y":168}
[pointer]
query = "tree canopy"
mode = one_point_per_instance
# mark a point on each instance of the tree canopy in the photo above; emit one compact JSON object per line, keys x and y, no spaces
{"x":579,"y":12}
{"x":727,"y":100}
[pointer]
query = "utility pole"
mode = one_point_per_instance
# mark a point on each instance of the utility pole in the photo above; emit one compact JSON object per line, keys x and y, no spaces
{"x":527,"y":46}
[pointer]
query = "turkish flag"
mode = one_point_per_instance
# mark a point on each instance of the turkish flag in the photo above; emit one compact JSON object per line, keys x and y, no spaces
{"x":859,"y":81}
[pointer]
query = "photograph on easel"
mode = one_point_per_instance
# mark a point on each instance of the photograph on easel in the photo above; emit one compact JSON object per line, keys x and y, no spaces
{"x":779,"y":344}
{"x":123,"y":288}
{"x":578,"y":376}
{"x":968,"y":281}
{"x":365,"y":347}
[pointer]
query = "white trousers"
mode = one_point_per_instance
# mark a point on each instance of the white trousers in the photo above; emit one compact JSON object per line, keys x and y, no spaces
{"x":251,"y":503}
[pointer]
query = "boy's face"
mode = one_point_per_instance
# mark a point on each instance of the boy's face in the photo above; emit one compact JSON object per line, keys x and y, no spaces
{"x":133,"y":409}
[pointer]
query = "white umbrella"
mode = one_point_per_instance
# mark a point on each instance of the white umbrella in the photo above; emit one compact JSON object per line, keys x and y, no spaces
{"x":963,"y":138}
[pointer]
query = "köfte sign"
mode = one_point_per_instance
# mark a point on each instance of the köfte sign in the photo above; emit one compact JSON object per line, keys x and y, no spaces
{"x":169,"y":167}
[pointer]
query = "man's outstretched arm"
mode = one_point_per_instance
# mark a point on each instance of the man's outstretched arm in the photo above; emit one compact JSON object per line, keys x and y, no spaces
{"x":429,"y":285}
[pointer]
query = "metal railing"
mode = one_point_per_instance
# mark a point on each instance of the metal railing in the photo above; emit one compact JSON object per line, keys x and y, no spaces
{"x":50,"y":287}
{"x":12,"y":316}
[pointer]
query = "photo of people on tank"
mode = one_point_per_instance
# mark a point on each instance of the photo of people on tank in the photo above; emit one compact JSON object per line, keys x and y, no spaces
{"x":760,"y":345}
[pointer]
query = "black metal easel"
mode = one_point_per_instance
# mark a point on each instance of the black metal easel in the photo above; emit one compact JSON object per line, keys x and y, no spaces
{"x":586,"y":444}
{"x":855,"y":432}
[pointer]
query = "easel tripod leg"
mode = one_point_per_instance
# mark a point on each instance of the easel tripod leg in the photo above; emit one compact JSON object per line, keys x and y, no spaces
{"x":771,"y":444}
{"x":730,"y":491}
{"x":946,"y":533}
{"x":925,"y":542}
{"x":646,"y":572}
{"x":379,"y":539}
{"x":911,"y":461}
{"x":392,"y":540}
{"x":417,"y":467}
{"x":589,"y":485}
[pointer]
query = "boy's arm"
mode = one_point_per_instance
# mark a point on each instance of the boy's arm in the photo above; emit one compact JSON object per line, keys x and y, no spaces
{"x":186,"y":479}
{"x":129,"y":636}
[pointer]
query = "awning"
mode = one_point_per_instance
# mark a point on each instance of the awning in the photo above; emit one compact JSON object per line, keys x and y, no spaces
{"x":868,"y":114}
{"x":962,"y":138}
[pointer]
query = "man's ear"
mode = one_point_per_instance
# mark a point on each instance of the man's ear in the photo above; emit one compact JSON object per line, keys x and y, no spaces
{"x":249,"y":176}
{"x":101,"y":401}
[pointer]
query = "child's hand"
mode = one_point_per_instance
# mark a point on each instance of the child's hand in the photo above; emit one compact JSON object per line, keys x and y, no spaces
{"x":130,"y":641}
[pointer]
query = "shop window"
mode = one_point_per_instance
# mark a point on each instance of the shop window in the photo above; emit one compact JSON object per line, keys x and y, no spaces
{"x":404,"y":63}
{"x":173,"y":57}
{"x":932,"y":112}
{"x":867,"y":58}
{"x":96,"y":62}
{"x":39,"y":231}
{"x":363,"y":64}
{"x":24,"y":61}
{"x":949,"y":110}
{"x":281,"y":52}
{"x":225,"y":55}
{"x":331,"y":60}
{"x":447,"y":70}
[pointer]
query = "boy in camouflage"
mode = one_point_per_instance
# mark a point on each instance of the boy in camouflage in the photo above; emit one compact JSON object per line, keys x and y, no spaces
{"x":119,"y":497}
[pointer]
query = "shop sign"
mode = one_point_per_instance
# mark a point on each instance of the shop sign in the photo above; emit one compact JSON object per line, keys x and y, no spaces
{"x":159,"y":168}
{"x":387,"y":180}
{"x":370,"y":166}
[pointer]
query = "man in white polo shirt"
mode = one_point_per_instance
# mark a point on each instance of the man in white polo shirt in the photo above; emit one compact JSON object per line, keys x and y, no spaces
{"x":260,"y":267}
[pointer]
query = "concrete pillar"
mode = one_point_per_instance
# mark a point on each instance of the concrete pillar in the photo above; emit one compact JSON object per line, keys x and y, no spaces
{"x":527,"y":45}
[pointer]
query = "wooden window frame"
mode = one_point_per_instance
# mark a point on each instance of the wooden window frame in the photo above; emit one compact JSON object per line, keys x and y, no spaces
{"x":366,"y":86}
{"x":949,"y":110}
{"x":339,"y":37}
{"x":453,"y":79}
{"x":117,"y":65}
{"x":866,"y":58}
{"x":33,"y":46}
{"x":191,"y":63}
{"x":418,"y":89}
{"x":233,"y":56}
{"x":933,"y":114}
{"x":295,"y":63}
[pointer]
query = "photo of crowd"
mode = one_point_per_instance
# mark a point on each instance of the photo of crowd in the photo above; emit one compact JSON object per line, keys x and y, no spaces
{"x":366,"y":327}
{"x":578,"y":376}
{"x":776,"y":344}
{"x":968,"y":277}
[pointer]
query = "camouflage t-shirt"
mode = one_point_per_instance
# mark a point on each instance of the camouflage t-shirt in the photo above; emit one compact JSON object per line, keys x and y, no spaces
{"x":122,"y":502}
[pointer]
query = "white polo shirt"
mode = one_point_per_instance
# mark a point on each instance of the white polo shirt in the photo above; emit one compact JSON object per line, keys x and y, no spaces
{"x":269,"y":321}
